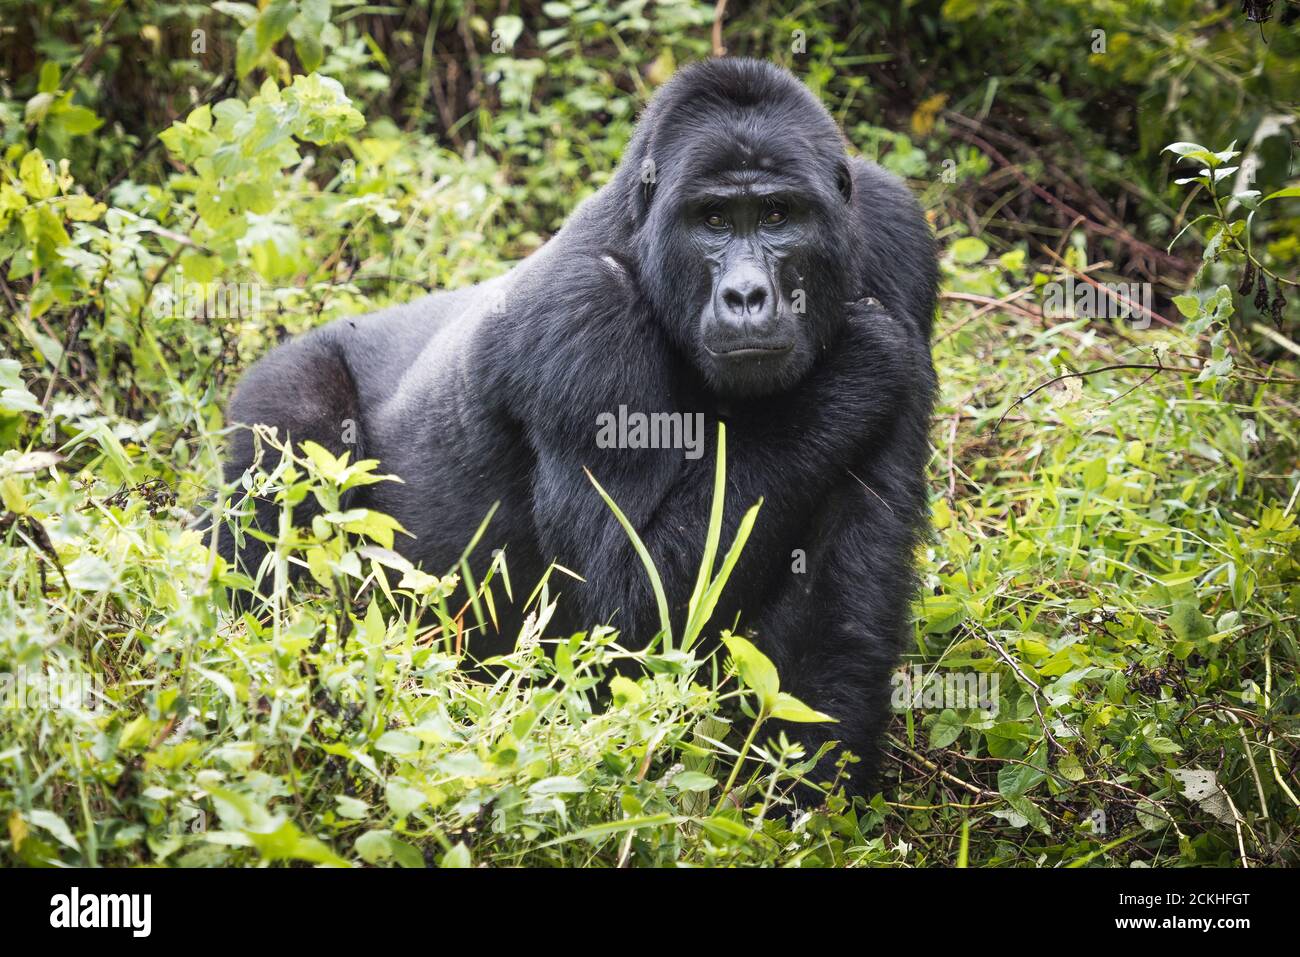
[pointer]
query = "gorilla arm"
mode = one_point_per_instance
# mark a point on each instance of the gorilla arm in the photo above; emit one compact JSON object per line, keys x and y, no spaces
{"x":836,"y":631}
{"x":835,"y":626}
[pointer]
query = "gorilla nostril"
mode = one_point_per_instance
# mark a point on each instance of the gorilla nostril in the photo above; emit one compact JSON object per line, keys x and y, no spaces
{"x":745,"y":299}
{"x":734,"y":300}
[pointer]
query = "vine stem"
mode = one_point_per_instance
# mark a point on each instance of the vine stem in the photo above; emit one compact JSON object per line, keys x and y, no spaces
{"x":1223,"y":221}
{"x":740,"y":759}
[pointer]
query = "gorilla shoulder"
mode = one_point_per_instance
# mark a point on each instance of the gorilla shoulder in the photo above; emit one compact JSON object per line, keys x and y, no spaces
{"x":573,"y":338}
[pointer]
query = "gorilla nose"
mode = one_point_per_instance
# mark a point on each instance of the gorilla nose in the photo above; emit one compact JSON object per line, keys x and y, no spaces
{"x":745,"y":298}
{"x":746,"y":321}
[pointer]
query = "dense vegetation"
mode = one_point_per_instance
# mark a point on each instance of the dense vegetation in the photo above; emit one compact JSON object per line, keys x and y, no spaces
{"x":1115,"y":500}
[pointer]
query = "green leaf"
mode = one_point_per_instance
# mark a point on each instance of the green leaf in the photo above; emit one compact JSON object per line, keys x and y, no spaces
{"x":77,"y":120}
{"x":374,"y":847}
{"x":1070,"y":768}
{"x":308,"y":29}
{"x":325,"y":114}
{"x":941,"y":613}
{"x":34,"y":173}
{"x":286,"y":842}
{"x":1192,"y":151}
{"x":756,"y":670}
{"x":946,"y":729}
{"x":1189,"y":306}
{"x":1030,"y":812}
{"x":693,"y":781}
{"x":1018,"y":779}
{"x":548,"y":38}
{"x":507,"y":29}
{"x":49,"y":77}
{"x":272,"y":23}
{"x":90,"y":572}
{"x":14,"y":394}
{"x":969,"y":250}
{"x":1287,"y":193}
{"x":246,"y":52}
{"x":310,"y":51}
{"x":354,"y":809}
{"x":402,"y":798}
{"x":37,"y":108}
{"x":398,"y":742}
{"x":51,"y":822}
{"x":558,"y":784}
{"x":244,"y":13}
{"x":790,"y":708}
{"x":625,"y":691}
{"x":457,"y":856}
{"x":1186,"y":621}
{"x":373,"y":525}
{"x":1094,"y":475}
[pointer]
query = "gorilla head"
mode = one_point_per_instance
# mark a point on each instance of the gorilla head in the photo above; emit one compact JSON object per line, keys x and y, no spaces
{"x":739,"y":189}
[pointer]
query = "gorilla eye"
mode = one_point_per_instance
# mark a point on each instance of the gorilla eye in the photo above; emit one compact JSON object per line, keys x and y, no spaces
{"x":774,"y":217}
{"x":715,"y":221}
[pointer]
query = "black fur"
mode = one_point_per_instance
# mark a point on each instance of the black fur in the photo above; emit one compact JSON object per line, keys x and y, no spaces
{"x":491,"y":394}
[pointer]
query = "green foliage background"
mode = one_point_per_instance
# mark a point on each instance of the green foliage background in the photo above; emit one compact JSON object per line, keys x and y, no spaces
{"x":1118,"y":548}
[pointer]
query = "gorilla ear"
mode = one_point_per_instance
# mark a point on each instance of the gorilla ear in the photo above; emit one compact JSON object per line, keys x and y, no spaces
{"x":844,"y":181}
{"x":647,"y":195}
{"x":639,"y":198}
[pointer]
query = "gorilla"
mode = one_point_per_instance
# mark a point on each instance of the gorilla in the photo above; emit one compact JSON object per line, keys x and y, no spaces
{"x":740,"y":267}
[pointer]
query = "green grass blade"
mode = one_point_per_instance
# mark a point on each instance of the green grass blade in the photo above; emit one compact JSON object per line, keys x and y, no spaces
{"x":694,"y":625}
{"x":661,"y":599}
{"x":714,"y":592}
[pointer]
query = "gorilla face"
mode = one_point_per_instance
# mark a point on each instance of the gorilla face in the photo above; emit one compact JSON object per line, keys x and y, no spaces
{"x":755,"y":240}
{"x":745,"y":249}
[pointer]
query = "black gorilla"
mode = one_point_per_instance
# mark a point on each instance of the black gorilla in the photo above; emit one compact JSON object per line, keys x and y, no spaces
{"x":739,"y":266}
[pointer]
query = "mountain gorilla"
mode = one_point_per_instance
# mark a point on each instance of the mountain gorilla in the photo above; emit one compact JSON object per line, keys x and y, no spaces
{"x":739,"y":266}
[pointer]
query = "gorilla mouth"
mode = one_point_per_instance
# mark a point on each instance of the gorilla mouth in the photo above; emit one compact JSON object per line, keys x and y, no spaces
{"x":750,"y":350}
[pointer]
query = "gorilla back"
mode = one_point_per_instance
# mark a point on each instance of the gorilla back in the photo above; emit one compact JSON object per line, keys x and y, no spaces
{"x":739,"y":266}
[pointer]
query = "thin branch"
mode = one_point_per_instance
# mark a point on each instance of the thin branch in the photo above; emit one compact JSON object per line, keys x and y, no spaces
{"x":1146,"y":366}
{"x":952,"y":778}
{"x":1038,"y":692}
{"x":719,"y":11}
